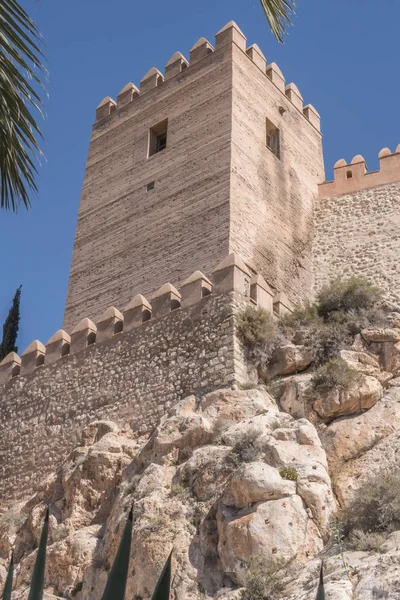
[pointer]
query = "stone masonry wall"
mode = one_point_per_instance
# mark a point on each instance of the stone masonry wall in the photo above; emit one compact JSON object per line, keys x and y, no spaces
{"x":359,"y":234}
{"x":133,"y":378}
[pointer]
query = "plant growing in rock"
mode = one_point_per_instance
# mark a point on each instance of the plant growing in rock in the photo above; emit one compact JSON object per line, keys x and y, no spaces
{"x":366,"y":541}
{"x":333,"y":375}
{"x":247,"y":449}
{"x":346,"y":295}
{"x":375,"y":507}
{"x":289,"y":473}
{"x":342,"y":309}
{"x":261,"y":580}
{"x":258,"y":332}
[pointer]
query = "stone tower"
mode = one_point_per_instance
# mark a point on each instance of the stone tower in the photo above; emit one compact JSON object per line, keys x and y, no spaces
{"x":217,"y":155}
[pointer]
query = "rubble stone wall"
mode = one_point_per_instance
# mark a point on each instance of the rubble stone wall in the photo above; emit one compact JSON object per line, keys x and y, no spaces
{"x":132,"y":379}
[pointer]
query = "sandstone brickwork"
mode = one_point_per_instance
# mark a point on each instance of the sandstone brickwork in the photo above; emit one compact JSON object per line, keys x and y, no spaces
{"x":357,"y":225}
{"x":216,"y":188}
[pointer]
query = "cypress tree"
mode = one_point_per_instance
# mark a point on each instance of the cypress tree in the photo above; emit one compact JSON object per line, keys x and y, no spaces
{"x":10,"y":327}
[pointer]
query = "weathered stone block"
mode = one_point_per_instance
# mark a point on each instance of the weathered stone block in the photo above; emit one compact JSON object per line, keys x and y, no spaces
{"x":167,"y":298}
{"x":127,"y":94}
{"x":105,"y":108}
{"x":293,"y":93}
{"x":201,"y":49}
{"x":261,"y":293}
{"x":230,"y":34}
{"x":282,"y":306}
{"x":231,"y":275}
{"x":276,"y":76}
{"x":59,"y":345}
{"x":151,"y":80}
{"x":138,"y":311}
{"x":32,"y":357}
{"x":9,"y":367}
{"x":257,"y":57}
{"x":194,"y":288}
{"x":175,"y":65}
{"x":83,"y":335}
{"x":110,"y":323}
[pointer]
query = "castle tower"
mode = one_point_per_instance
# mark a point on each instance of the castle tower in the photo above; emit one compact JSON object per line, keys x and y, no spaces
{"x":217,"y":155}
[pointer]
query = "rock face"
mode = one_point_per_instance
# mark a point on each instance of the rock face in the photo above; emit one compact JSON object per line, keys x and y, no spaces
{"x":223,"y":478}
{"x":212,"y":482}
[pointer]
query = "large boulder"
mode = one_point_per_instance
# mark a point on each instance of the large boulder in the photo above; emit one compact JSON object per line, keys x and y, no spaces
{"x":256,"y":482}
{"x":361,"y":395}
{"x":349,"y":437}
{"x":286,"y":360}
{"x":279,"y":530}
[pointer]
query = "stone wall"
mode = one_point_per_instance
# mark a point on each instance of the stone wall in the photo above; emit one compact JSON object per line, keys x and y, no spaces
{"x":132,"y":379}
{"x":216,"y":187}
{"x":358,"y":233}
{"x":272,"y":197}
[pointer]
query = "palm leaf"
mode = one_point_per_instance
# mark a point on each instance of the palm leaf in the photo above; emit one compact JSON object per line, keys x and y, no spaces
{"x":21,"y":89}
{"x":116,"y":583}
{"x":321,"y":588}
{"x":37,"y":583}
{"x":9,"y":581}
{"x":278,"y":13}
{"x":164,"y":583}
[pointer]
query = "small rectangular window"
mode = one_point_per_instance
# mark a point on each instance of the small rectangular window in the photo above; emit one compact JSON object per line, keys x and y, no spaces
{"x":150,"y":186}
{"x":158,"y":137}
{"x":273,"y":138}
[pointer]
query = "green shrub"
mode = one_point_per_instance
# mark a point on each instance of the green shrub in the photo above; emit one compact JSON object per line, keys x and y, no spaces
{"x":342,"y":310}
{"x":328,"y":339}
{"x":344,"y":295}
{"x":333,"y":375}
{"x":246,"y":449}
{"x":261,"y":581}
{"x":258,"y":332}
{"x":178,"y":490}
{"x":289,"y":473}
{"x":366,"y":541}
{"x":375,"y":506}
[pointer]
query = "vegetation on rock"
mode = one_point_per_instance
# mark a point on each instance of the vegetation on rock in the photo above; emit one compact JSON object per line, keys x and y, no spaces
{"x":289,"y":473}
{"x":258,"y":332}
{"x":335,"y":374}
{"x":376,"y":506}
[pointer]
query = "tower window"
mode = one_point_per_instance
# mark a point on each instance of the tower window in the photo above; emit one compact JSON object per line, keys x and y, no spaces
{"x":273,"y":138}
{"x":150,"y":186}
{"x":349,"y":175}
{"x":158,"y":137}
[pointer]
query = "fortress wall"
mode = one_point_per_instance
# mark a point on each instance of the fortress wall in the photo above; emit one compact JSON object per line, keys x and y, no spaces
{"x":272,"y":197}
{"x":132,"y":379}
{"x":131,"y":240}
{"x":358,"y":233}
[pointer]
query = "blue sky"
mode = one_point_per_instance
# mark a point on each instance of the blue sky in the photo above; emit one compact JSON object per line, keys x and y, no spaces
{"x":342,"y":54}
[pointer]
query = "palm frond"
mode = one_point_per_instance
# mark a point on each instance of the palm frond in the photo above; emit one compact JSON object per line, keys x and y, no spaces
{"x":278,"y":13}
{"x":21,"y":91}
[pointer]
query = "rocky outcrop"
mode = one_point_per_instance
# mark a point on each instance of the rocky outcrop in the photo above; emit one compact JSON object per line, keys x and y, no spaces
{"x":210,"y":482}
{"x":223,"y":478}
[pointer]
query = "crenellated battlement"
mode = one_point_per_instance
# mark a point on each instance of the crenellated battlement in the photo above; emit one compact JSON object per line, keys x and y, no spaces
{"x":230,"y":275}
{"x":355,"y":176}
{"x":230,"y":34}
